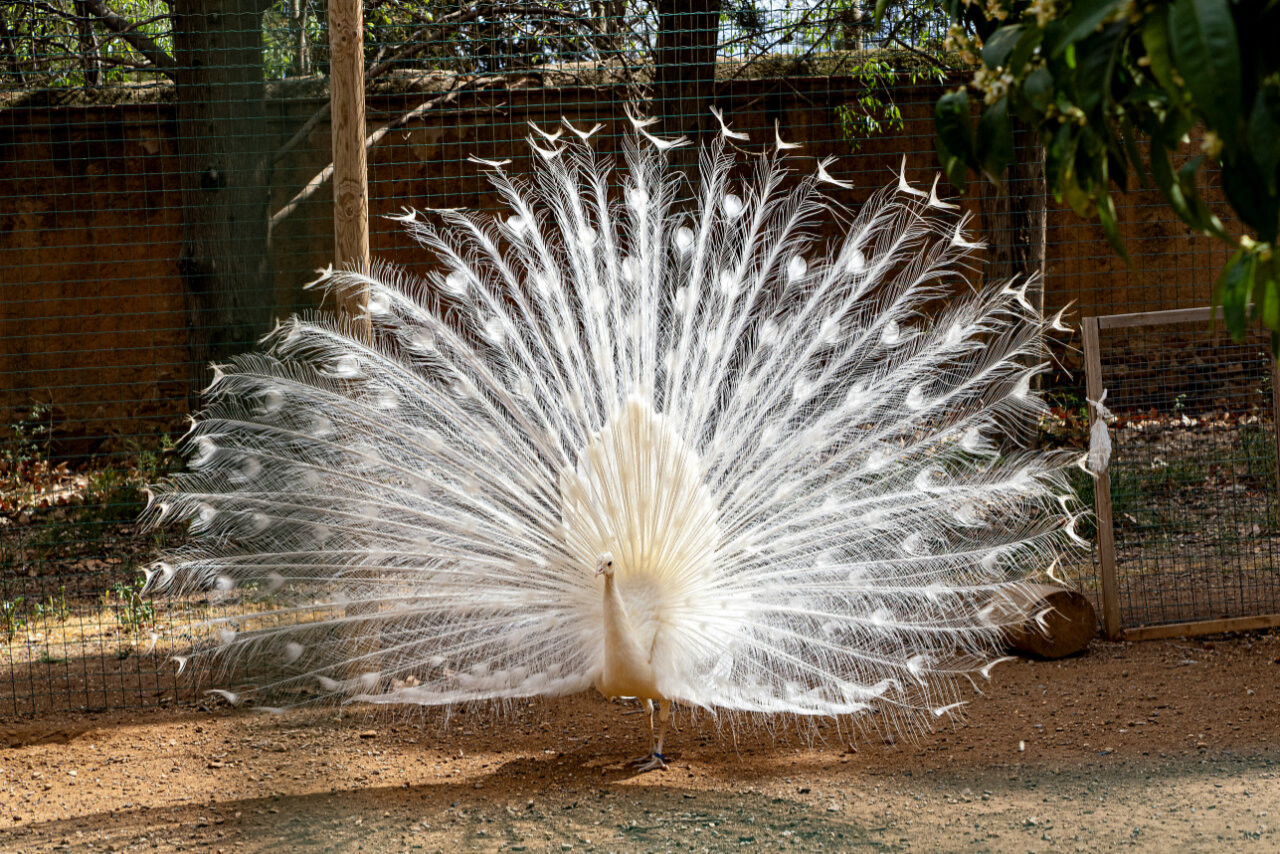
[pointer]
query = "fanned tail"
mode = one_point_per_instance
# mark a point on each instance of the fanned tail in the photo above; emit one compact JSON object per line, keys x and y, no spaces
{"x":801,"y":451}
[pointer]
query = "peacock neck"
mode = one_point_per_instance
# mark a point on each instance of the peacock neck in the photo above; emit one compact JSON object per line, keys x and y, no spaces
{"x":628,"y":671}
{"x":616,"y":622}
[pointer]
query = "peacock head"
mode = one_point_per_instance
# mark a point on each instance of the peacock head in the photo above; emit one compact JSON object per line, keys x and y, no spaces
{"x":604,"y":565}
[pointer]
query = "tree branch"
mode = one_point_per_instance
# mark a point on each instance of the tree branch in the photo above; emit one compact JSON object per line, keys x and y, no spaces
{"x":326,"y":174}
{"x":416,"y":42}
{"x":128,"y":31}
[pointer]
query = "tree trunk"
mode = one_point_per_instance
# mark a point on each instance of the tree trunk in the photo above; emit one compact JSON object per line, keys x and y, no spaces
{"x":684,"y":76}
{"x":302,"y":49}
{"x":88,"y":46}
{"x":1014,"y":215}
{"x":611,"y":14}
{"x":1015,"y":221}
{"x":225,"y":192}
{"x":1015,"y":218}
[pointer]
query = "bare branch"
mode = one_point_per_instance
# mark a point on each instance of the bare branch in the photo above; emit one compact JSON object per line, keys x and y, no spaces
{"x":419,"y":40}
{"x":933,"y":60}
{"x":787,"y":30}
{"x":326,"y":174}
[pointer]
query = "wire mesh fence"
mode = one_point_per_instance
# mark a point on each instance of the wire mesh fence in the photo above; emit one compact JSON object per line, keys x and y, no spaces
{"x":165,"y":192}
{"x":1193,"y":481}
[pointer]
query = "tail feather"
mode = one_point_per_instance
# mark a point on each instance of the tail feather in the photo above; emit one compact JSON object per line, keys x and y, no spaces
{"x":798,"y":451}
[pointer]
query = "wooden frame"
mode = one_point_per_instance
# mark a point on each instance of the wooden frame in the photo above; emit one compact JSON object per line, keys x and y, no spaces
{"x":1091,"y":327}
{"x":1102,"y":489}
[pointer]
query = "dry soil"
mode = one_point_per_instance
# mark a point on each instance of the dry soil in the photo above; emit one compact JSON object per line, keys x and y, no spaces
{"x":1158,"y":746}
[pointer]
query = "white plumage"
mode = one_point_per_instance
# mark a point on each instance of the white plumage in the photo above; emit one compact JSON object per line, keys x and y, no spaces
{"x":683,"y":454}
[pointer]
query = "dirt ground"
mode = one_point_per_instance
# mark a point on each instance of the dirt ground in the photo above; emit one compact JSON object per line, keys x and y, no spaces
{"x":1157,"y":746}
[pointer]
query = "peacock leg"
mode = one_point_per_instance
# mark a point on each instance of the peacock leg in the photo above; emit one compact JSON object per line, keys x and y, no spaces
{"x":655,"y":759}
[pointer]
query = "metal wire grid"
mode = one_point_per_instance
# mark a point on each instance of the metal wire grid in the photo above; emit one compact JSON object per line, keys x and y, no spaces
{"x":1193,"y":473}
{"x":104,"y":193}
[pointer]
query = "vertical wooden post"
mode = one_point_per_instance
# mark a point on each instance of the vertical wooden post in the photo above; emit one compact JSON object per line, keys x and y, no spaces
{"x":350,"y":166}
{"x":351,"y":250}
{"x":1102,"y":490}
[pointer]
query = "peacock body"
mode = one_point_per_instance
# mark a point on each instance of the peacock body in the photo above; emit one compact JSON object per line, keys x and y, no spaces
{"x":692,"y":454}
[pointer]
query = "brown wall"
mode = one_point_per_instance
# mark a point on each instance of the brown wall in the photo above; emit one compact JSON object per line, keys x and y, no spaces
{"x":91,"y":309}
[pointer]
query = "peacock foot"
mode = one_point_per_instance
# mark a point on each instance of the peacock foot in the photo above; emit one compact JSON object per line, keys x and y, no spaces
{"x":652,"y":762}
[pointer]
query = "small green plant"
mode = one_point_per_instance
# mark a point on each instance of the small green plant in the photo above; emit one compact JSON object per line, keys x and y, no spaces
{"x":117,"y":494}
{"x":114,"y":495}
{"x":13,"y":618}
{"x":30,"y":437}
{"x":153,"y":463}
{"x":51,"y":608}
{"x":132,"y":611}
{"x":1070,"y":401}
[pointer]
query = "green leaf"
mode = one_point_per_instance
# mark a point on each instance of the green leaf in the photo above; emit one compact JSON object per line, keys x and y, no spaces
{"x":1111,"y":226}
{"x":995,"y":140}
{"x":1060,"y":156}
{"x":1269,"y":283}
{"x":1155,"y":40}
{"x":954,"y":168}
{"x":1077,"y":197}
{"x":955,"y":135}
{"x":1235,"y":286}
{"x":1207,"y":54}
{"x":997,"y":48}
{"x":1082,"y":20}
{"x":1094,"y":73}
{"x":1265,"y":297}
{"x":1246,"y":190}
{"x":1264,"y":136}
{"x":1023,"y":51}
{"x":1201,"y":217}
{"x":1037,"y":89}
{"x":1162,"y":173}
{"x":1115,"y":164}
{"x":1132,"y":152}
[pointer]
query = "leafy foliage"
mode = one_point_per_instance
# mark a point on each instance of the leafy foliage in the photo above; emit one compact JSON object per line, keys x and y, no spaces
{"x":1112,"y":87}
{"x":62,"y":43}
{"x":874,"y":111}
{"x":54,"y":44}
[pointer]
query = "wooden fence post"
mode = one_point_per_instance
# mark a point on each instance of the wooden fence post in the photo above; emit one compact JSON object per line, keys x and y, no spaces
{"x":1102,"y":490}
{"x":350,"y":165}
{"x":351,"y":248}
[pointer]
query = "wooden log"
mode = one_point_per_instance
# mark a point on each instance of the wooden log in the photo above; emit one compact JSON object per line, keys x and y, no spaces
{"x":1046,"y":621}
